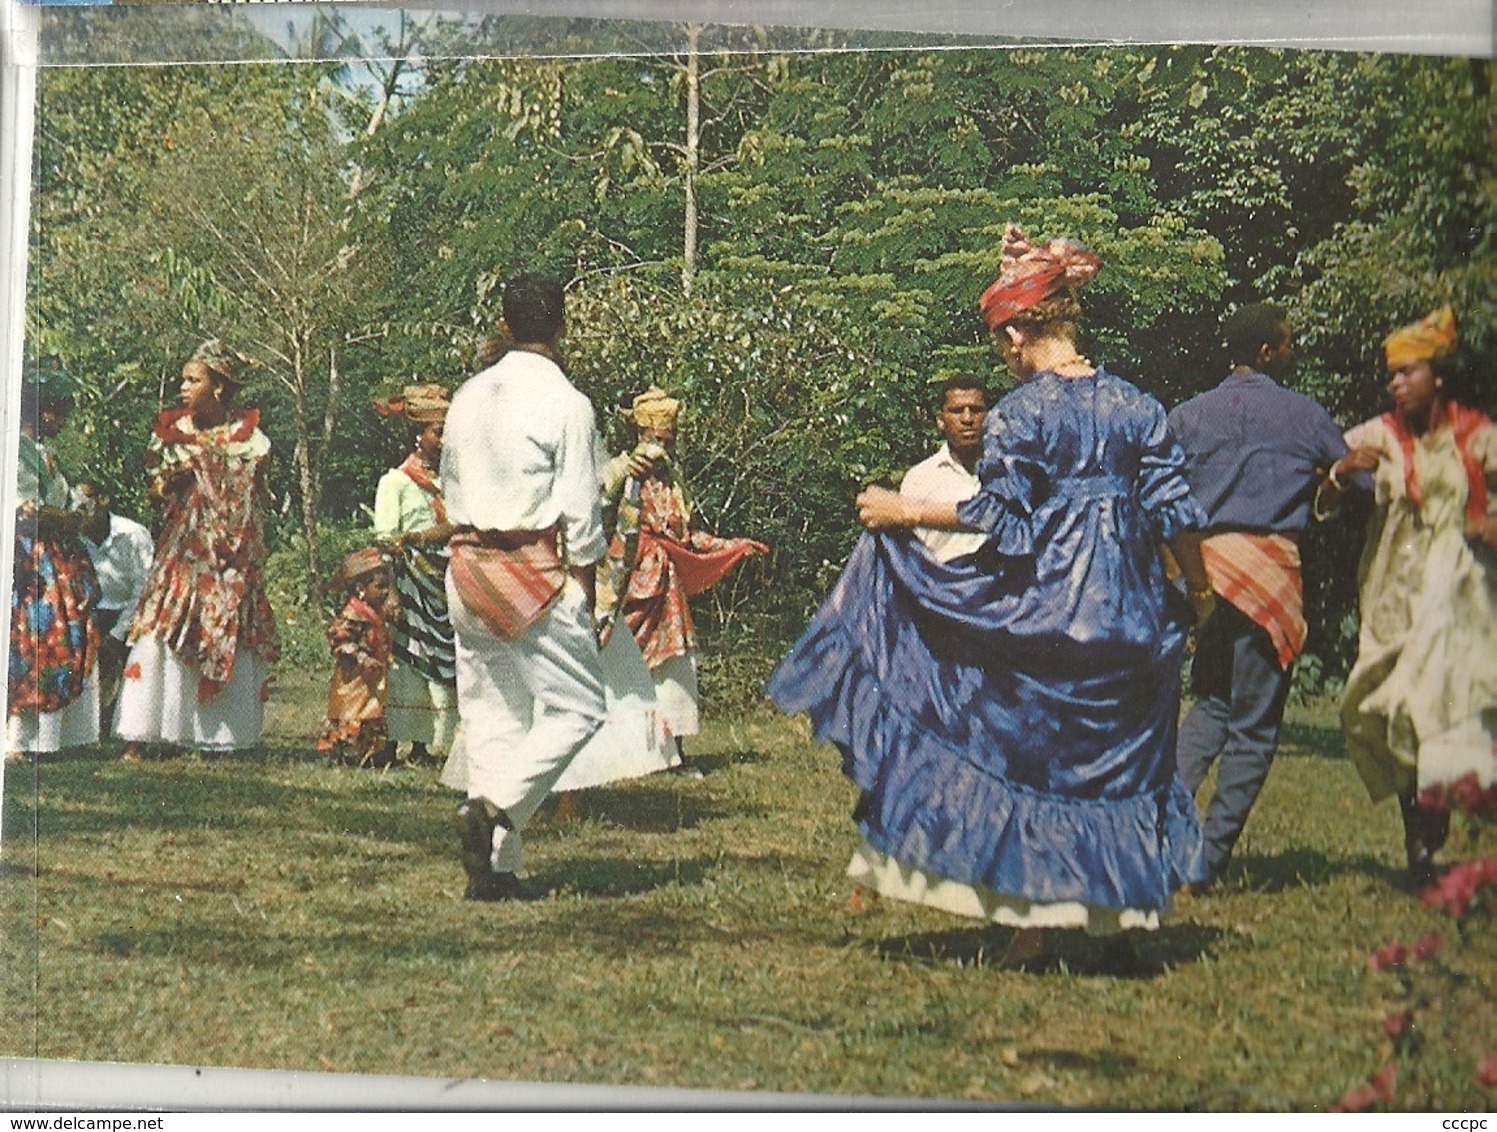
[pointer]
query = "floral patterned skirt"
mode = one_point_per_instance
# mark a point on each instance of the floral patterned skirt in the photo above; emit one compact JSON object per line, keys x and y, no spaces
{"x":54,"y":642}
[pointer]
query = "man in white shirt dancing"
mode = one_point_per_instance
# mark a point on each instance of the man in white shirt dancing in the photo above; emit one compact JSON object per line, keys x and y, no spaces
{"x":520,"y":474}
{"x":950,"y":476}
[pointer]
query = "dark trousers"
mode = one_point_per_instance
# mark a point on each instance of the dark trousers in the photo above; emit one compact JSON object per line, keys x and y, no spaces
{"x":112,"y":656}
{"x":1240,"y":692}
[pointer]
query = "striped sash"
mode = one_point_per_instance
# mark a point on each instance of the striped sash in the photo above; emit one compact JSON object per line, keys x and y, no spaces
{"x":1260,"y":575}
{"x":507,"y":579}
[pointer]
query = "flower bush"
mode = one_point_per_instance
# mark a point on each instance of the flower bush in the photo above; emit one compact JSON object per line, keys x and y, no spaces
{"x":1442,"y":1001}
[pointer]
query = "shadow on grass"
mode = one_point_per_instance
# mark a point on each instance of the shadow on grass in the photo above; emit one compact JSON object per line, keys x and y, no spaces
{"x":1302,"y":868}
{"x":1107,"y":1064}
{"x":725,"y":760}
{"x":1310,"y":740}
{"x":223,"y":795}
{"x":364,"y":930}
{"x":666,"y":804}
{"x":1070,"y":952}
{"x":619,"y":878}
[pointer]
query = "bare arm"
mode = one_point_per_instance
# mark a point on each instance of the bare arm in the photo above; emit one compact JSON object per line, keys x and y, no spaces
{"x":1186,"y":550}
{"x":1328,"y":495}
{"x":881,"y":509}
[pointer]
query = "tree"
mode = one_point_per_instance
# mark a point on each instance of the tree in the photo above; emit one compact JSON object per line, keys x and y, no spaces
{"x":258,"y":242}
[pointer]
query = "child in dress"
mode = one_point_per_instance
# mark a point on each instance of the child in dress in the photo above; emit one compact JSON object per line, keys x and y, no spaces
{"x":360,"y":642}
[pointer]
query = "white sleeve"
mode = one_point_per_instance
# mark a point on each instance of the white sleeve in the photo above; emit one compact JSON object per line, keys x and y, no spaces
{"x":141,"y":554}
{"x":579,"y":472}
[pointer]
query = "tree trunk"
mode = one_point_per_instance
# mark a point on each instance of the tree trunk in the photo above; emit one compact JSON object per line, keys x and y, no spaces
{"x":304,"y":471}
{"x":330,"y":414}
{"x":693,"y":152}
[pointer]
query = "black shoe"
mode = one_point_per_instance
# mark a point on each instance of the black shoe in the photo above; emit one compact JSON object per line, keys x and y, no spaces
{"x":687,"y":769}
{"x":493,"y":886}
{"x":475,"y":820}
{"x":1425,"y":830}
{"x":1423,"y":873}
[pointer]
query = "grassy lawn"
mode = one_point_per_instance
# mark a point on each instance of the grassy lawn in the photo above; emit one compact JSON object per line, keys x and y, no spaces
{"x":268,"y":910}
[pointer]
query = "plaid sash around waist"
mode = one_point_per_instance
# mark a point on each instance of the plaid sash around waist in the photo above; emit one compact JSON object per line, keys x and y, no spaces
{"x":1260,"y":575}
{"x":507,"y":579}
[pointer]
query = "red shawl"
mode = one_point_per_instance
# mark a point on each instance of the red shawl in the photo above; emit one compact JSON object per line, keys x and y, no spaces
{"x":421,"y":476}
{"x":1464,"y":422}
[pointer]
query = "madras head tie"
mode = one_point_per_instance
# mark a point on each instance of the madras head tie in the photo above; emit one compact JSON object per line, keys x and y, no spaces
{"x":654,"y":408}
{"x":216,"y":355}
{"x":1433,"y":337}
{"x":1031,"y":274}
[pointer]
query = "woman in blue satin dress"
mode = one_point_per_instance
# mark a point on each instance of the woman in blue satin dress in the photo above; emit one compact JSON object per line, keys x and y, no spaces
{"x":1010,"y":716}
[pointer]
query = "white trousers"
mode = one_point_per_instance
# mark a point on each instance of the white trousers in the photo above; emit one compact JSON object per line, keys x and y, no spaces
{"x":527,"y":707}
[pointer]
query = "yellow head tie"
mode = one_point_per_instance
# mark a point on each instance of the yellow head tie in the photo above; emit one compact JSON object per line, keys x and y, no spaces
{"x":1433,"y":336}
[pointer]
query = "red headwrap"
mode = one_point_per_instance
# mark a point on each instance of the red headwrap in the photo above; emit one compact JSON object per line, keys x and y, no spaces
{"x":1031,"y":274}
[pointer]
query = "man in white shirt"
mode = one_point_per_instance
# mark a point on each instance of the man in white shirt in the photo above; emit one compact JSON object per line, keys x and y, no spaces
{"x":950,"y":476}
{"x":121,"y":551}
{"x":520,"y":473}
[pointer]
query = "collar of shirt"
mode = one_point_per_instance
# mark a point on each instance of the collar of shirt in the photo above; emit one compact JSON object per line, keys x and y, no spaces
{"x":1252,"y":377}
{"x":948,"y":458}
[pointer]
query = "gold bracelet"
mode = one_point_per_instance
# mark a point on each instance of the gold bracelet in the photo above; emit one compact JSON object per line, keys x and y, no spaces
{"x":1335,"y":480}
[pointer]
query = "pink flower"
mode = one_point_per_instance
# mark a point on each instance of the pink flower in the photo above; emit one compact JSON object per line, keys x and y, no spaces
{"x":1397,"y":1025}
{"x":1465,"y":793}
{"x":1358,"y":1098}
{"x":1486,"y":1071}
{"x":1427,"y":947}
{"x":1457,"y":889}
{"x":1384,"y":1081}
{"x":1391,"y":956}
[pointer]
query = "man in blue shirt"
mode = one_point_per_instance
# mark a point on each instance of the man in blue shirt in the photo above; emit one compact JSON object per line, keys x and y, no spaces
{"x":1256,"y":454}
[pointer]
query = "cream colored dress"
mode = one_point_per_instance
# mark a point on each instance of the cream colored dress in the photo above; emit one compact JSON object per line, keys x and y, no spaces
{"x":1420,"y":706}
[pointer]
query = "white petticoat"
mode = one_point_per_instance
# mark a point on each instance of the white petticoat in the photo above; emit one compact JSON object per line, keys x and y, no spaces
{"x":159,"y":701}
{"x":676,"y":689}
{"x":900,"y":881}
{"x":418,"y":710}
{"x":1468,"y":748}
{"x":76,"y":725}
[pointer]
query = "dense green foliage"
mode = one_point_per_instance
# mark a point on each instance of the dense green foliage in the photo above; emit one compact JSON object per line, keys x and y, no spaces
{"x":847,"y":211}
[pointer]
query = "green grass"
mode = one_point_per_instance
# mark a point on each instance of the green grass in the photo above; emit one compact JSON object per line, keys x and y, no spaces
{"x":269,"y":910}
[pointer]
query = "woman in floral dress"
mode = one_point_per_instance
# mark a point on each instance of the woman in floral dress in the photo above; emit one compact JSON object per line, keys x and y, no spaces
{"x":53,"y":692}
{"x":658,"y":557}
{"x":204,"y":637}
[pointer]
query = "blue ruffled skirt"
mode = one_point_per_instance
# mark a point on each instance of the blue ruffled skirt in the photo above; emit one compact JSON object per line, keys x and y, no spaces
{"x":992,"y":749}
